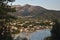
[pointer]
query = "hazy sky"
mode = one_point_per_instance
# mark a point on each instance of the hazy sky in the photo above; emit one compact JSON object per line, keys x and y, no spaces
{"x":49,"y":4}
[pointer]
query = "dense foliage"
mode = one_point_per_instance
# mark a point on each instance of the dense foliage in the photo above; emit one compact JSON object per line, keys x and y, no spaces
{"x":5,"y":19}
{"x":55,"y":32}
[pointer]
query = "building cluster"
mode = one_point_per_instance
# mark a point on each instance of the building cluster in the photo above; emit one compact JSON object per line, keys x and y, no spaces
{"x":28,"y":28}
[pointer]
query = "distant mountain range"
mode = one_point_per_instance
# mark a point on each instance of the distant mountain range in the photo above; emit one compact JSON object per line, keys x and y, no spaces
{"x":35,"y":12}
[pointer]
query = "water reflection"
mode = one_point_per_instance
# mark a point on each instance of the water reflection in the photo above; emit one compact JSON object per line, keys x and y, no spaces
{"x":38,"y":35}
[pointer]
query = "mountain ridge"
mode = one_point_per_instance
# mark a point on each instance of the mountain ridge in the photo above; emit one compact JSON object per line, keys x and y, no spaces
{"x":36,"y":11}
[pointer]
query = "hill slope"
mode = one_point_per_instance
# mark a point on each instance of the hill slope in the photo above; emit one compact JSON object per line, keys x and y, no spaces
{"x":36,"y":12}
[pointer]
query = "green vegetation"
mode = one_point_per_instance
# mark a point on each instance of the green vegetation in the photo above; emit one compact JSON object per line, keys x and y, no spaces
{"x":47,"y":38}
{"x":55,"y":32}
{"x":5,"y":19}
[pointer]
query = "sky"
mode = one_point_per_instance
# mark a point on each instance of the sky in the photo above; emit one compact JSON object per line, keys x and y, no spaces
{"x":48,"y":4}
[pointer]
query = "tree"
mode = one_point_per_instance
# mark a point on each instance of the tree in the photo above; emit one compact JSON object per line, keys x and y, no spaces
{"x":5,"y":18}
{"x":55,"y":32}
{"x":5,"y":1}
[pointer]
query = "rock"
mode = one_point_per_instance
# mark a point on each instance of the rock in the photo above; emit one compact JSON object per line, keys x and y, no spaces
{"x":24,"y":39}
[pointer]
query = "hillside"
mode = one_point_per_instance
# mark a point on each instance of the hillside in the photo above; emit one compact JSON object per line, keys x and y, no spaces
{"x":35,"y":12}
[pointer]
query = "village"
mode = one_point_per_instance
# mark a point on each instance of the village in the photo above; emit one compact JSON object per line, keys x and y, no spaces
{"x":28,"y":26}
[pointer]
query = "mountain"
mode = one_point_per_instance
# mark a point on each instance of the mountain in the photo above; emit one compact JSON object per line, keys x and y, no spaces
{"x":35,"y":12}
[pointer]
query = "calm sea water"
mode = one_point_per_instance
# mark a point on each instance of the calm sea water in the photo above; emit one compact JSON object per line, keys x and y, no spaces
{"x":38,"y":35}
